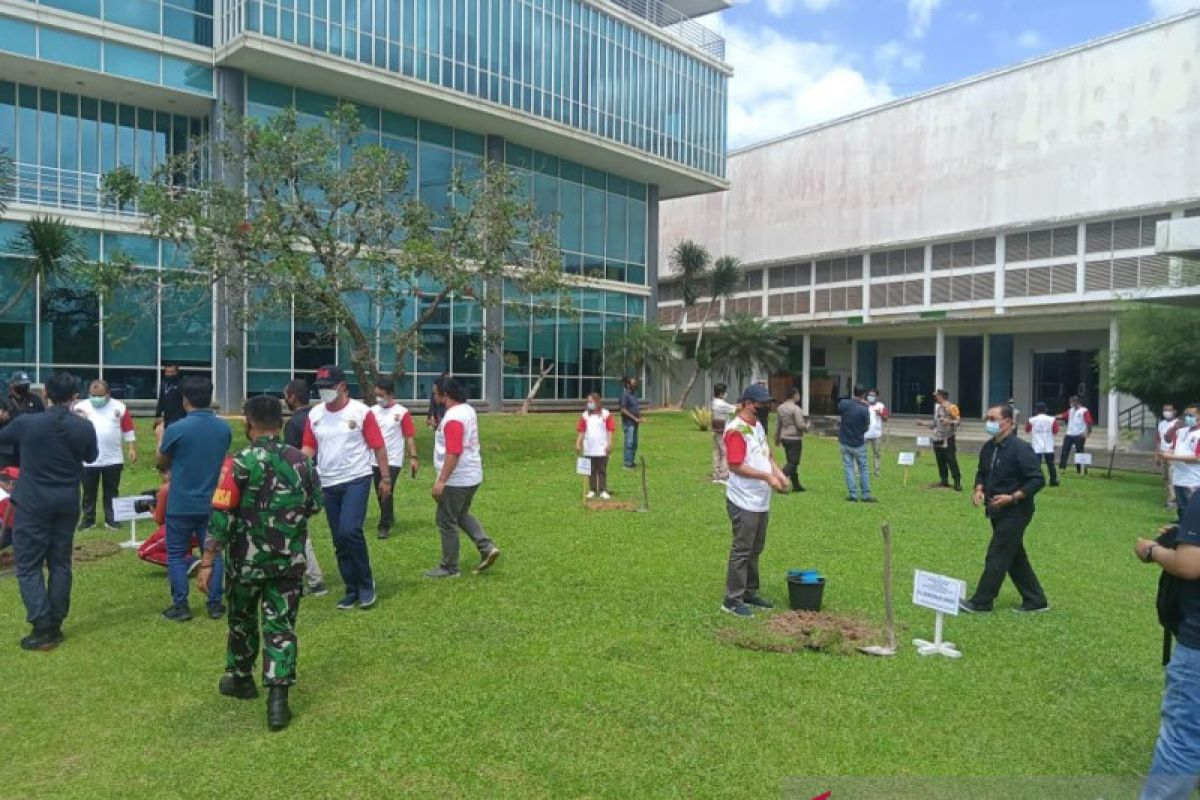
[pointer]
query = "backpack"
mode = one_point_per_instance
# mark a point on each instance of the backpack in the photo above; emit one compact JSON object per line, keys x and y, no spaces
{"x":1168,"y":599}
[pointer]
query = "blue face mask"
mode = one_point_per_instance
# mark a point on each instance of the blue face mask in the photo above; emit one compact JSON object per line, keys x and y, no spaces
{"x":98,"y":401}
{"x":993,"y":427}
{"x":1190,"y":419}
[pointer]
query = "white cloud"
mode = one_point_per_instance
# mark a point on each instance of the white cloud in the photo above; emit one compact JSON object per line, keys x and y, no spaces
{"x":920,"y":15}
{"x":1168,"y":8}
{"x":1030,"y":40}
{"x":781,"y":8}
{"x":781,"y":84}
{"x":892,"y":57}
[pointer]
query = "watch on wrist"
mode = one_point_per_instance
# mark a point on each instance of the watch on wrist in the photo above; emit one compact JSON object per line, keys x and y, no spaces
{"x":1150,"y":553}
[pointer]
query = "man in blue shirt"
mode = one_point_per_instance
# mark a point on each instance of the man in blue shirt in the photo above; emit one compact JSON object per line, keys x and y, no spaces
{"x":53,"y":448}
{"x":856,"y":419}
{"x":194,"y":449}
{"x":631,"y":420}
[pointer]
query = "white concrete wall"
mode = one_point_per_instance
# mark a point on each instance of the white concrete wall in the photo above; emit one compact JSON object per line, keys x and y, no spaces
{"x":1105,"y":128}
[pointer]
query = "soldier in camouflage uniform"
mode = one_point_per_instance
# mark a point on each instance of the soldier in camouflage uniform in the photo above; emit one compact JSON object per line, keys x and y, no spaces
{"x":261,"y":508}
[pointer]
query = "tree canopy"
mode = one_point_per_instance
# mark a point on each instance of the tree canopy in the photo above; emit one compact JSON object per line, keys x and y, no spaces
{"x":1158,"y":361}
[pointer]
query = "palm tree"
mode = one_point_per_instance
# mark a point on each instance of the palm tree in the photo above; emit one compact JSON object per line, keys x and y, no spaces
{"x":643,"y":345}
{"x":746,"y":344}
{"x":6,"y":179}
{"x":689,"y":263}
{"x":51,"y":248}
{"x":722,"y":282}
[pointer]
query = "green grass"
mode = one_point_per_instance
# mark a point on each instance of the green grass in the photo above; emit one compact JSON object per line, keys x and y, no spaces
{"x":587,"y":663}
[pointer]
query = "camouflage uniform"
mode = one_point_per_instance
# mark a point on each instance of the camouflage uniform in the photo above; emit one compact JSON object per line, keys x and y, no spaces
{"x":261,"y":508}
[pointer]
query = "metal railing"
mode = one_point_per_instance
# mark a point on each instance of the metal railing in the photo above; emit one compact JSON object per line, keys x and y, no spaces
{"x":1137,"y":418}
{"x":63,"y":190}
{"x":675,"y":24}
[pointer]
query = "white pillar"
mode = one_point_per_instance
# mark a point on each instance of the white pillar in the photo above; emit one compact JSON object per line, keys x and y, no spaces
{"x":939,"y":360}
{"x":853,"y":362}
{"x":805,"y":393}
{"x":1114,"y":397}
{"x":987,"y":370}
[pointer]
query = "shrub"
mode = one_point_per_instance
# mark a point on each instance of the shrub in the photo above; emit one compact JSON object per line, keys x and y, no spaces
{"x":702,"y":417}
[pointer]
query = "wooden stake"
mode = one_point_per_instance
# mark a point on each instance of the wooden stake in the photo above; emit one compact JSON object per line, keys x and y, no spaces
{"x":888,"y":609}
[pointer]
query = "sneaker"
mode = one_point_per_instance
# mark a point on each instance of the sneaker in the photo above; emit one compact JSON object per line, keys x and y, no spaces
{"x":317,"y":589}
{"x":851,"y":499}
{"x":1025,"y":608}
{"x":590,"y":495}
{"x":193,"y":567}
{"x":441,"y":572}
{"x":111,"y":526}
{"x":177,"y":613}
{"x":869,"y":500}
{"x":385,"y":533}
{"x":799,"y":488}
{"x":968,"y":607}
{"x":348,"y":602}
{"x":758,"y":601}
{"x":366,"y":598}
{"x":240,"y":686}
{"x":216,"y":612}
{"x":739,"y":610}
{"x":605,"y":496}
{"x":721,"y":481}
{"x":488,"y":560}
{"x":42,"y":641}
{"x":939,"y":485}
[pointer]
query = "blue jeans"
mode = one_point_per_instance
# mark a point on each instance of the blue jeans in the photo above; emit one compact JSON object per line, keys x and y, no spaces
{"x":631,"y":434}
{"x":180,"y":528}
{"x":856,"y":456}
{"x":1183,"y":496}
{"x":1176,"y":764}
{"x":346,"y":510}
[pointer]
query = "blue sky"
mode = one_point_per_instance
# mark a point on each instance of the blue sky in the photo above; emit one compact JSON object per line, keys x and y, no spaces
{"x":800,"y":62}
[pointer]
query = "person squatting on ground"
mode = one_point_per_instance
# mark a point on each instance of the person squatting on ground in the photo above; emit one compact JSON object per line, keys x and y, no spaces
{"x":1162,"y":446}
{"x":874,"y":435}
{"x":459,"y":467}
{"x":946,"y":419}
{"x":722,"y":411}
{"x":753,"y":473}
{"x":193,"y":449}
{"x":341,"y":434}
{"x":1175,"y":766}
{"x":852,"y":429}
{"x":113,"y":425}
{"x":399,"y":435}
{"x":261,"y":506}
{"x":54,"y":446}
{"x":1184,"y":457}
{"x":1079,"y":428}
{"x":594,"y":442}
{"x":1043,"y":428}
{"x":789,"y":432}
{"x":1009,"y":476}
{"x":295,"y":396}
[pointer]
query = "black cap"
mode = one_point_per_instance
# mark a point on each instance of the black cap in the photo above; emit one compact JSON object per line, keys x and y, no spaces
{"x":19,"y":379}
{"x":755,"y":393}
{"x":329,"y":376}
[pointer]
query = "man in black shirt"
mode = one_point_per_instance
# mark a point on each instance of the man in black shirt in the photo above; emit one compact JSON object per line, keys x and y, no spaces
{"x":1009,"y":476}
{"x":296,"y":396}
{"x":170,"y":400}
{"x":54,"y":447}
{"x":19,"y":400}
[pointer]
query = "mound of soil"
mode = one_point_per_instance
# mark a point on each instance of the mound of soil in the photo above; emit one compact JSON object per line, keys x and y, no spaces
{"x":94,"y":550}
{"x":796,"y":631}
{"x":609,"y":505}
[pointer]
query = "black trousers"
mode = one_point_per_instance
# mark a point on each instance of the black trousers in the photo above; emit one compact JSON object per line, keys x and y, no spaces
{"x":1006,"y":556}
{"x":42,"y":546}
{"x":1049,"y":459}
{"x":93,"y":478}
{"x":947,"y":462}
{"x":793,"y":449}
{"x":387,"y":513}
{"x":1076,"y":443}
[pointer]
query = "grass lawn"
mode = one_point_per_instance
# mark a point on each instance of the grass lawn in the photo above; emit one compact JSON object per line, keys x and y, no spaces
{"x":587,"y":662}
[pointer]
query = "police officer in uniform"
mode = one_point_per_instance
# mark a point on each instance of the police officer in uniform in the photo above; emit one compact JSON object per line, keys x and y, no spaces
{"x":19,"y":400}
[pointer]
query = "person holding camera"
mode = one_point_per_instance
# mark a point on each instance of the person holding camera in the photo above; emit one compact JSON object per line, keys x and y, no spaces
{"x":1009,"y":476}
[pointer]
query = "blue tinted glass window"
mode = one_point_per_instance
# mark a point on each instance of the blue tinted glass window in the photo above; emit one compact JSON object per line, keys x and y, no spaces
{"x":70,"y":48}
{"x":142,"y":249}
{"x":141,"y":14}
{"x":130,"y":62}
{"x":17,"y":37}
{"x":187,"y":76}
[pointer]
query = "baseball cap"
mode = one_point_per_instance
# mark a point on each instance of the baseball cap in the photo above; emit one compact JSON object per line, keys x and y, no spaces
{"x":19,"y":379}
{"x":330,"y":375}
{"x":755,"y":393}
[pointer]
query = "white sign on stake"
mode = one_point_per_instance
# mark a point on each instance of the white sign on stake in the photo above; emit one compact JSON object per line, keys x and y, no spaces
{"x":924,"y":441}
{"x":583,"y":466}
{"x":941,"y":594}
{"x":1083,"y":459}
{"x":124,"y":511}
{"x":908,"y":459}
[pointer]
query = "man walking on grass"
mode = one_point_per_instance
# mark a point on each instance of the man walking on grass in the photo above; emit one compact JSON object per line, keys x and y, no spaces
{"x":874,"y":436}
{"x":1009,"y":476}
{"x":946,"y":418}
{"x":295,"y":395}
{"x":852,"y":430}
{"x":459,"y":468}
{"x":753,"y":473}
{"x":1079,"y":428}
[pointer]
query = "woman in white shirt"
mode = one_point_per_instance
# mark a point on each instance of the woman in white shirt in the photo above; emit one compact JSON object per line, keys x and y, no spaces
{"x":721,"y":412}
{"x":594,"y":442}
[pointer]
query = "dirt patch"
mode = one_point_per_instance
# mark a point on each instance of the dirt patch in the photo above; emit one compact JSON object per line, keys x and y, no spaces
{"x":94,"y":551}
{"x":796,"y":631}
{"x":609,"y":505}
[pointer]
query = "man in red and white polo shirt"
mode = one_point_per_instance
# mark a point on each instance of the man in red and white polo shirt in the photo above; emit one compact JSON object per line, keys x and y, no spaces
{"x":753,"y":473}
{"x":113,"y":427}
{"x":459,"y":467}
{"x":342,"y":434}
{"x":1079,"y":427}
{"x":1185,"y":458}
{"x":399,"y":435}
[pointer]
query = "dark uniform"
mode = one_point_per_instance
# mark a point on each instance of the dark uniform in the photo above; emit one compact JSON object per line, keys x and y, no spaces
{"x":170,"y":402}
{"x":261,"y":506}
{"x":1005,"y":467}
{"x":54,"y":446}
{"x":293,"y":429}
{"x":11,"y":407}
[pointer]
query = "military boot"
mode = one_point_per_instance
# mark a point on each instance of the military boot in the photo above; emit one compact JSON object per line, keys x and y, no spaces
{"x":278,"y":712}
{"x":242,"y":688}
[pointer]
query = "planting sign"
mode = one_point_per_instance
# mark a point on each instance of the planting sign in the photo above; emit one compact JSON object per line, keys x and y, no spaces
{"x":937,"y":592}
{"x":908,"y":459}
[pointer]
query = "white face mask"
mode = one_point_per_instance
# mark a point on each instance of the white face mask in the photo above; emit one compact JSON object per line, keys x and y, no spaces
{"x":591,"y":406}
{"x":1168,"y":415}
{"x":328,"y":395}
{"x":871,"y":398}
{"x":383,"y":402}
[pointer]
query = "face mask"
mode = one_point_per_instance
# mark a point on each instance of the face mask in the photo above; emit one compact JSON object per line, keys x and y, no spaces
{"x":1168,"y":415}
{"x":328,"y":395}
{"x":591,"y":406}
{"x":98,"y":401}
{"x":1190,"y":419}
{"x":993,"y":427}
{"x":871,"y":398}
{"x":383,"y":401}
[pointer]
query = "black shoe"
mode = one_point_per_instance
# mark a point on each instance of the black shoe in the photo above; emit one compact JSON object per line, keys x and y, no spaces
{"x":1025,"y":608}
{"x":177,"y":613}
{"x":757,"y":600}
{"x":799,"y":488}
{"x":385,"y":533}
{"x":216,"y":612}
{"x":869,"y":500}
{"x":968,"y":607}
{"x":958,"y":486}
{"x":240,"y":686}
{"x":851,"y":499}
{"x":278,"y":712}
{"x":42,"y":641}
{"x":1055,"y":483}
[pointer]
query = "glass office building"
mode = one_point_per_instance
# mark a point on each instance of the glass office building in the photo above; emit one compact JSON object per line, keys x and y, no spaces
{"x":601,"y":109}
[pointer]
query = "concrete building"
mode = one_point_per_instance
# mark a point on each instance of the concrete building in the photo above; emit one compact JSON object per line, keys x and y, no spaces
{"x":977,"y":237}
{"x":604,"y":108}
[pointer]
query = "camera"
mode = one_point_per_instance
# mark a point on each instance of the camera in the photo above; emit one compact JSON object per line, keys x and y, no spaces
{"x":145,"y":505}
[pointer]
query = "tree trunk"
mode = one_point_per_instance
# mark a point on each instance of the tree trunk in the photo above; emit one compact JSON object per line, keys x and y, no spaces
{"x":696,"y":370}
{"x":26,"y":283}
{"x":544,"y":369}
{"x":365,"y":369}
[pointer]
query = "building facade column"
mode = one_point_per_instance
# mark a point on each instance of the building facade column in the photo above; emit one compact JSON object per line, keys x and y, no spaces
{"x":805,"y":373}
{"x":939,"y":359}
{"x":229,"y":296}
{"x":987,"y":371}
{"x":1114,"y":397}
{"x":493,"y":318}
{"x":853,"y":362}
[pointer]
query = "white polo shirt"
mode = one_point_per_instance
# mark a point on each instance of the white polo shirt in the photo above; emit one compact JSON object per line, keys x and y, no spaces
{"x":879,"y":415}
{"x":458,"y":433}
{"x":1187,"y":443}
{"x":343,"y":440}
{"x":1043,"y":427}
{"x":1078,"y":421}
{"x":595,"y":429}
{"x":113,"y":426}
{"x":396,"y":424}
{"x":1164,"y":427}
{"x":747,"y":445}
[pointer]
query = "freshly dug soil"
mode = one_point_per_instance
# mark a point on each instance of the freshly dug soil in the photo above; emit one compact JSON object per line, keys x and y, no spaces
{"x":609,"y":505}
{"x":94,"y":550}
{"x":796,"y":631}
